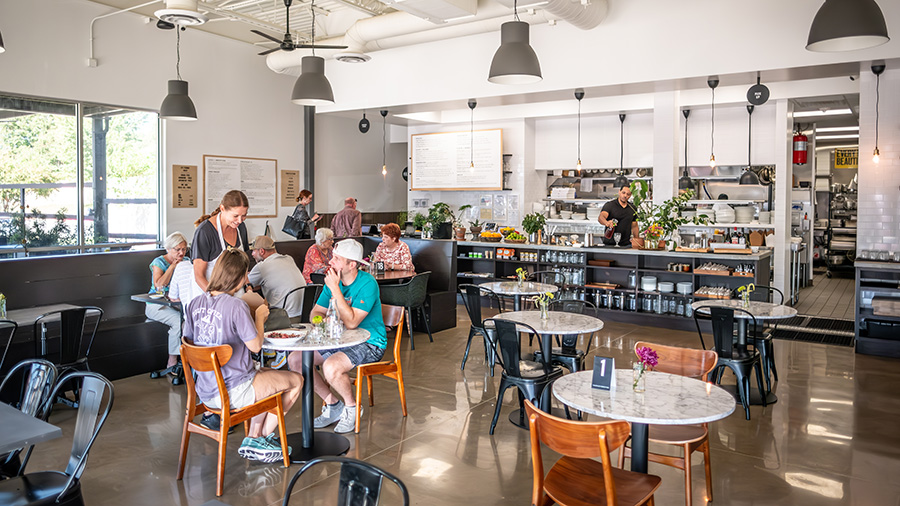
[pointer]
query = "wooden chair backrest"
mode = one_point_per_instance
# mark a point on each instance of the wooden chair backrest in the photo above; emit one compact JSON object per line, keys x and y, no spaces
{"x":205,"y":359}
{"x":682,"y":361}
{"x":583,"y":440}
{"x":393,"y":317}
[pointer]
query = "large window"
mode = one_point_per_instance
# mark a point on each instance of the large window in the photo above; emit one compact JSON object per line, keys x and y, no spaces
{"x":46,"y":208}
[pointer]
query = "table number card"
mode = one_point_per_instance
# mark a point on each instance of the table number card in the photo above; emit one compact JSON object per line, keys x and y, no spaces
{"x":604,"y":373}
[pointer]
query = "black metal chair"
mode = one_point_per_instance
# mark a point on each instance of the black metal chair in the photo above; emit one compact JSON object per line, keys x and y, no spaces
{"x":48,"y":488}
{"x":763,"y":340}
{"x":410,"y":295}
{"x":529,"y":377}
{"x":317,"y":278}
{"x":471,"y":296}
{"x":740,"y":360}
{"x":360,"y":482}
{"x":310,"y":296}
{"x":8,"y":329}
{"x":34,"y":378}
{"x":567,"y":354}
{"x":74,"y":341}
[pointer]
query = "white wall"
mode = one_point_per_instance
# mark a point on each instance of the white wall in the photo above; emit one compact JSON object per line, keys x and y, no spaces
{"x":244,"y":109}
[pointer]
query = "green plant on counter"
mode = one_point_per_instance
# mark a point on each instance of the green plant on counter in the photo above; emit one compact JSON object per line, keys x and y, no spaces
{"x":476,"y":223}
{"x":441,"y":213}
{"x":533,"y":223}
{"x":457,"y":218}
{"x":419,"y":221}
{"x":402,"y":216}
{"x":667,"y":216}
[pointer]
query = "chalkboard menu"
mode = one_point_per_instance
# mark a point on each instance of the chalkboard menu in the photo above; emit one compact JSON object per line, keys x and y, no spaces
{"x":443,"y":161}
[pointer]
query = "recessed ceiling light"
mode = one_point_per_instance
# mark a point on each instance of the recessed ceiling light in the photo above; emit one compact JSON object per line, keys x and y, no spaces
{"x":836,"y":137}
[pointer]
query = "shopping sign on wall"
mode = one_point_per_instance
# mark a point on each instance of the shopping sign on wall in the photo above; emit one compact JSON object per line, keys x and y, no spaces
{"x":846,"y":158}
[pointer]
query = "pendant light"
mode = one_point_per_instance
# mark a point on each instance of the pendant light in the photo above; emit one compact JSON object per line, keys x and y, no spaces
{"x":2,"y":47}
{"x":312,"y":87}
{"x":749,"y":177}
{"x":685,"y":182}
{"x":178,"y":105}
{"x":713,"y":81}
{"x":472,"y":104}
{"x":621,"y":180}
{"x":847,"y":25}
{"x":877,"y":69}
{"x":579,"y":94}
{"x":384,"y":114}
{"x":515,"y":61}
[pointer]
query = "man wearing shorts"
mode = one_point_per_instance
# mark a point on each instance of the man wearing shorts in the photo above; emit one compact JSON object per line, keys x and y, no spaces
{"x":359,"y":306}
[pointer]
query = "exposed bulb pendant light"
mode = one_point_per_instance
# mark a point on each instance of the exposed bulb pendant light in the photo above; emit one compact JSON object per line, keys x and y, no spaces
{"x":384,"y":114}
{"x":312,"y":87}
{"x":515,"y":61}
{"x":749,"y":177}
{"x":847,"y":25}
{"x":621,"y":180}
{"x":579,"y":94}
{"x":877,"y":69}
{"x":472,"y":104}
{"x":685,"y":182}
{"x":178,"y":105}
{"x":713,"y":81}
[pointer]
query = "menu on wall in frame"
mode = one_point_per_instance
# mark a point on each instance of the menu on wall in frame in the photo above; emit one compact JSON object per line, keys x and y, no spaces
{"x":184,"y":186}
{"x":256,"y":177}
{"x":442,"y":161}
{"x":290,"y":187}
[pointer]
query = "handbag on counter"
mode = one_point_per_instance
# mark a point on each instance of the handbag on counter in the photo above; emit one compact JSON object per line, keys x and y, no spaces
{"x":278,"y":319}
{"x":293,"y":226}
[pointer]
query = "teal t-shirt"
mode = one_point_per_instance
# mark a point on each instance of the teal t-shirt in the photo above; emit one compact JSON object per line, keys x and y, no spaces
{"x":363,"y":294}
{"x":160,"y":262}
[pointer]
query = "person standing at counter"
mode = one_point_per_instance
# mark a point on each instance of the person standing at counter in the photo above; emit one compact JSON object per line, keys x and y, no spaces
{"x":620,"y":213}
{"x":221,"y":230}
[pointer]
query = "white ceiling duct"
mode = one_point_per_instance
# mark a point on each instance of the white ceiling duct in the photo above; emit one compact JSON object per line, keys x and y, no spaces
{"x":399,"y":29}
{"x":181,"y":12}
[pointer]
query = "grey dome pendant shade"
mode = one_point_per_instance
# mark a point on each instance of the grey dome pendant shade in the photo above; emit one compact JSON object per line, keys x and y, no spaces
{"x":178,"y":105}
{"x":515,"y":61}
{"x":312,"y":87}
{"x":847,"y":25}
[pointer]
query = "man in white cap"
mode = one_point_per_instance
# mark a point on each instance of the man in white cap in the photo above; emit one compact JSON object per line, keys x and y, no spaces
{"x":359,"y":306}
{"x":277,"y":275}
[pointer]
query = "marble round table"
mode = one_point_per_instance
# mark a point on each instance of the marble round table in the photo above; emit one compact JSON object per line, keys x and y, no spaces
{"x":308,"y":444}
{"x":512,"y":289}
{"x":668,"y":400}
{"x":384,"y":277}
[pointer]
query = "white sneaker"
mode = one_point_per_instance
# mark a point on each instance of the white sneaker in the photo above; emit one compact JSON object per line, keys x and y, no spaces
{"x":347,"y":422}
{"x":330,"y":414}
{"x":280,"y":360}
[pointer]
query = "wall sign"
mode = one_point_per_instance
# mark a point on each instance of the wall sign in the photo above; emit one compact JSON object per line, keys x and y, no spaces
{"x":441,"y":161}
{"x":184,"y":186}
{"x":290,"y":187}
{"x":256,"y":177}
{"x":846,"y":158}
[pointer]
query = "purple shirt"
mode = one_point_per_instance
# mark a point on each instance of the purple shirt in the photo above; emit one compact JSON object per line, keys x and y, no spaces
{"x":215,"y":320}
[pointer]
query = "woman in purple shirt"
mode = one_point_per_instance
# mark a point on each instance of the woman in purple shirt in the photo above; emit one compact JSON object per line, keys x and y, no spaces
{"x":217,"y":317}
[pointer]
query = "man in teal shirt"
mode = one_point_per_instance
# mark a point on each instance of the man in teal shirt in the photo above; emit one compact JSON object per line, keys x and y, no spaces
{"x":359,"y":306}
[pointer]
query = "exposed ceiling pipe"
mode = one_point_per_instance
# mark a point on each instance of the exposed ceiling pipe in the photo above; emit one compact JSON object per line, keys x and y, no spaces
{"x":400,"y":29}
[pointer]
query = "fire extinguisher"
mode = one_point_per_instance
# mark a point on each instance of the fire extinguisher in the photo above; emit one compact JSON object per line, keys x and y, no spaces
{"x":800,"y":143}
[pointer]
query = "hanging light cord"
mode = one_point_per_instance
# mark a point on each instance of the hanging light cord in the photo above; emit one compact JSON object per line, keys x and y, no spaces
{"x":621,"y":143}
{"x":312,"y":10}
{"x":471,"y":136}
{"x":384,"y":140}
{"x":516,"y":9}
{"x":877,"y":99}
{"x":579,"y":131}
{"x":685,"y":146}
{"x":178,"y":55}
{"x":712,"y":132}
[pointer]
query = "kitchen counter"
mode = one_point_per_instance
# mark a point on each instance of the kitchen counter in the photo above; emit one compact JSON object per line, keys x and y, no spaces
{"x":754,"y":257}
{"x":885,"y":266}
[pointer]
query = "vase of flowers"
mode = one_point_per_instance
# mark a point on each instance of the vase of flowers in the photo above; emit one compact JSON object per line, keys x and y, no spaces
{"x":542,"y":302}
{"x":652,"y":235}
{"x":745,"y":292}
{"x":521,"y":274}
{"x":647,"y":360}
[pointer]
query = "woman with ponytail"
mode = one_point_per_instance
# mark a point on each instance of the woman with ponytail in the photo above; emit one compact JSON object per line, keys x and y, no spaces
{"x":223,"y":229}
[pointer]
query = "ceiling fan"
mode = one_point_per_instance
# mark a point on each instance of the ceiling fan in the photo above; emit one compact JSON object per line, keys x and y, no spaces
{"x":288,"y":43}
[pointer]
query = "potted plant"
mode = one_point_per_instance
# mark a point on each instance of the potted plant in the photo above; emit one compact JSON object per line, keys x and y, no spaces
{"x":458,"y":227}
{"x":475,"y":227}
{"x":442,"y":219}
{"x":533,"y":224}
{"x":419,"y":221}
{"x":660,"y":221}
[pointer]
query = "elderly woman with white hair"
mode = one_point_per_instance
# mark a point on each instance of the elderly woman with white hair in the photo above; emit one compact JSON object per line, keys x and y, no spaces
{"x":162,"y":268}
{"x":318,"y":255}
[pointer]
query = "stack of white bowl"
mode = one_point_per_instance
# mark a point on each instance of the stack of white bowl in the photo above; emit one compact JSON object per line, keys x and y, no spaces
{"x":724,"y":213}
{"x":743,"y":214}
{"x":685,"y":288}
{"x":566,"y":215}
{"x":578,"y":216}
{"x":648,"y":283}
{"x":593,"y":213}
{"x":666,"y":287}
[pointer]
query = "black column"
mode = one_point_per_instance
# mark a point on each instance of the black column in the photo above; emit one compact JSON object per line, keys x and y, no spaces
{"x":309,"y":153}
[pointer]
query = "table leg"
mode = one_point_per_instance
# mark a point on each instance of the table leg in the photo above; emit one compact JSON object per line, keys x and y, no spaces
{"x":309,"y":444}
{"x":639,"y":435}
{"x":517,"y":303}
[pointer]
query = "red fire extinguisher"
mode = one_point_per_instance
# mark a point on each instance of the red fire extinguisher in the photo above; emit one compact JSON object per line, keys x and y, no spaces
{"x":800,"y":143}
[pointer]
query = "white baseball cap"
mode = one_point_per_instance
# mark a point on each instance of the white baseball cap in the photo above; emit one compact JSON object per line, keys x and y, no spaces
{"x":351,"y":250}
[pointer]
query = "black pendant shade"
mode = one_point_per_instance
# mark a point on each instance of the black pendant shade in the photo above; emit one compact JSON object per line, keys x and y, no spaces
{"x":847,"y":25}
{"x":178,"y":105}
{"x":312,"y":87}
{"x":515,"y":61}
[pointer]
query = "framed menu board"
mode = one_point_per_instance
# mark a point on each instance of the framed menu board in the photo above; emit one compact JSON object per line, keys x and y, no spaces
{"x":256,"y":177}
{"x":442,"y":161}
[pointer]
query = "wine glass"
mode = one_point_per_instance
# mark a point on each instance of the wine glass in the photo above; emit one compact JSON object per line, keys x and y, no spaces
{"x":617,"y":237}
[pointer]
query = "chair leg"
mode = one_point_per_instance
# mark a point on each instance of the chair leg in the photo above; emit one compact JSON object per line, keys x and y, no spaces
{"x":770,"y":345}
{"x":402,"y":391}
{"x":370,"y":391}
{"x":182,"y":452}
{"x":220,"y":468}
{"x":687,"y":475}
{"x":359,"y":382}
{"x":759,"y":383}
{"x":503,"y":386}
{"x":427,"y":324}
{"x":468,"y":345}
{"x":708,"y":468}
{"x":412,"y":342}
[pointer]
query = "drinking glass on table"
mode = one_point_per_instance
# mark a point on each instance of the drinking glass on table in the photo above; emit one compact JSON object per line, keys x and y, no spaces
{"x":617,"y":237}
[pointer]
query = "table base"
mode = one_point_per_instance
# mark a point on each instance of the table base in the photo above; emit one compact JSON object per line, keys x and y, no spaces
{"x":324,"y":444}
{"x":517,"y":418}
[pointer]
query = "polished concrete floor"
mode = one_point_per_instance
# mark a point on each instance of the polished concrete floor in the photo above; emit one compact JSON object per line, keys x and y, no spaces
{"x":832,"y":438}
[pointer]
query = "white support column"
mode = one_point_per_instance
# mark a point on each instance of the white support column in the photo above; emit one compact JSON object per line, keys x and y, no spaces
{"x":666,"y":111}
{"x":784,"y":124}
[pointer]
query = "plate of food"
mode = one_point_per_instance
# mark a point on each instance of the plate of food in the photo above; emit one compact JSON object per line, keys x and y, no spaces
{"x":157,"y":295}
{"x":285,"y":336}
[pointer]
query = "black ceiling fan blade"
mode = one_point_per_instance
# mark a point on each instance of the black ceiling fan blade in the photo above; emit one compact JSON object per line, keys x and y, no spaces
{"x":266,"y":35}
{"x":269,"y":51}
{"x":318,"y":46}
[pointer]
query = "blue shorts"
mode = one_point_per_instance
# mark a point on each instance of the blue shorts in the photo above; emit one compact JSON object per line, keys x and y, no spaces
{"x":363,"y":353}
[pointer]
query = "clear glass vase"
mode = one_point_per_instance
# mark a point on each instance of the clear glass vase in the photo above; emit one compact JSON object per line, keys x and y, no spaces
{"x":639,"y":375}
{"x":545,"y":311}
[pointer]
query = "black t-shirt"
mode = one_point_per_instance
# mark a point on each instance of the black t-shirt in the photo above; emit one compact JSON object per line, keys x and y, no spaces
{"x":206,"y":245}
{"x":625,"y":215}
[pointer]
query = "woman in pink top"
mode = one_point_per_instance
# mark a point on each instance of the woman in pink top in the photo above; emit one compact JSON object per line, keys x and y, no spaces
{"x":319,"y":254}
{"x":391,"y":251}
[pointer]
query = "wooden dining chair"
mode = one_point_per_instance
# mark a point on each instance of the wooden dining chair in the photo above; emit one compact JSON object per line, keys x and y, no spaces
{"x":211,"y":358}
{"x":691,"y":438}
{"x":576,"y":478}
{"x":393,"y":317}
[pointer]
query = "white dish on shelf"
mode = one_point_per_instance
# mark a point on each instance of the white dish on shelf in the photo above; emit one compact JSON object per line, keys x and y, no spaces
{"x":684,"y":287}
{"x":666,"y":287}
